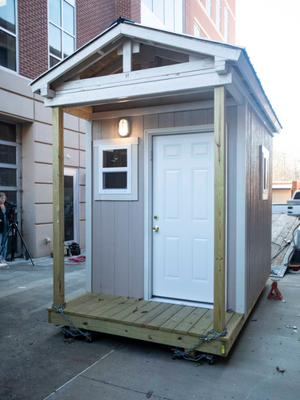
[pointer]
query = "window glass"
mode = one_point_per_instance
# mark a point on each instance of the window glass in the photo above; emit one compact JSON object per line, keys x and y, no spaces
{"x":8,"y":132}
{"x":7,"y":15}
{"x":68,"y":18}
{"x":7,"y":51}
{"x":53,"y":61}
{"x":158,"y":10}
{"x":149,"y":4}
{"x":11,"y":196}
{"x":8,"y":177}
{"x":69,"y":43}
{"x":169,"y":14}
{"x":54,"y":40}
{"x":178,"y":17}
{"x":115,"y":180}
{"x":115,"y":158}
{"x":55,"y":11}
{"x":8,"y":154}
{"x":69,"y":207}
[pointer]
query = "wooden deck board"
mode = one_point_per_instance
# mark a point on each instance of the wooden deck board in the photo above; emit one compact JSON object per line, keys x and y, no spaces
{"x":203,"y":324}
{"x":115,"y":310}
{"x":136,"y":314}
{"x":149,"y":316}
{"x":169,"y":325}
{"x":184,"y":326}
{"x":165,"y":323}
{"x":164,"y":316}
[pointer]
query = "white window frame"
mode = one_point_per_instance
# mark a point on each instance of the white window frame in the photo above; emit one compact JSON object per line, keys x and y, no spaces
{"x":226,"y":24}
{"x":15,"y":35}
{"x":72,"y":4}
{"x":197,"y":30}
{"x":208,"y":7}
{"x":264,"y":173}
{"x":218,"y":15}
{"x":131,"y":192}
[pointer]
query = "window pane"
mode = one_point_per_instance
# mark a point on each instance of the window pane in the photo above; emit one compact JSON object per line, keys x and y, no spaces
{"x":148,"y":3}
{"x":8,"y":177}
{"x":7,"y":154}
{"x":8,"y":132}
{"x":158,"y":10}
{"x":55,"y":40}
{"x":178,"y":16}
{"x":7,"y":15}
{"x":69,"y":208}
{"x":11,"y":196}
{"x":68,"y":18}
{"x":115,"y":158}
{"x":55,"y":11}
{"x":115,"y":180}
{"x":169,"y":14}
{"x":7,"y":51}
{"x":68,"y":44}
{"x":53,"y":61}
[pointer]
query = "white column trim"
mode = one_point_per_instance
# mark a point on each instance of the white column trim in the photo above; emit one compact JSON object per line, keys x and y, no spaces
{"x":241,"y":212}
{"x":88,"y":205}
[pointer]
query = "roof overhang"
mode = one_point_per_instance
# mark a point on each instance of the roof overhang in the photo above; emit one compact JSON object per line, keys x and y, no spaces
{"x":210,"y":64}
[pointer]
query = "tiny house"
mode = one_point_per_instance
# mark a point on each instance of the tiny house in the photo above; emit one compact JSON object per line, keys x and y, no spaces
{"x":178,"y":185}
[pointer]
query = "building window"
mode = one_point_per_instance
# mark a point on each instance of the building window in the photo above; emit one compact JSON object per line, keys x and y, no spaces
{"x":218,"y":15}
{"x":116,"y":169}
{"x":208,"y":7}
{"x":8,"y":34}
{"x":197,"y":31}
{"x":226,"y":24}
{"x":10,"y":171}
{"x":264,"y":173}
{"x":61,"y":30}
{"x":169,"y":12}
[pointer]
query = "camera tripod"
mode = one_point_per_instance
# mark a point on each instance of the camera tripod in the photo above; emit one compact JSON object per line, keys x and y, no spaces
{"x":13,"y":227}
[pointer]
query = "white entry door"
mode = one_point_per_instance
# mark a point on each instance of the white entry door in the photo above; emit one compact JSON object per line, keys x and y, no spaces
{"x":183,"y":211}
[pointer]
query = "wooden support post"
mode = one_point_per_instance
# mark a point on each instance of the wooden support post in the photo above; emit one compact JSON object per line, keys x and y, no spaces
{"x":220,"y":201}
{"x":58,"y":207}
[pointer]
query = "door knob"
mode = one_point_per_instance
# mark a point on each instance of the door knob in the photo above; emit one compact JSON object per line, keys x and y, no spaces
{"x":155,"y":228}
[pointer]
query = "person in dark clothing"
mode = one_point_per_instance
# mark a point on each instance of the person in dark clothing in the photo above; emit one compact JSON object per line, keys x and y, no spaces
{"x":3,"y":227}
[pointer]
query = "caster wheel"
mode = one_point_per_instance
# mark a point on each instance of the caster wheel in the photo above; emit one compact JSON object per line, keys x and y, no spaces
{"x":89,"y":339}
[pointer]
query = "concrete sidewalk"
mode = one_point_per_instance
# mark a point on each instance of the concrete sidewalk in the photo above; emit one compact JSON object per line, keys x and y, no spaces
{"x":37,"y":363}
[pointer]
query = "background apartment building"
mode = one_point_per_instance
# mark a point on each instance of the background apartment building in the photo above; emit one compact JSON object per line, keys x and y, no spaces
{"x":34,"y":36}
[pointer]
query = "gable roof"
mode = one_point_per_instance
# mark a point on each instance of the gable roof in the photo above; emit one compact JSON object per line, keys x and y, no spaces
{"x":112,"y":37}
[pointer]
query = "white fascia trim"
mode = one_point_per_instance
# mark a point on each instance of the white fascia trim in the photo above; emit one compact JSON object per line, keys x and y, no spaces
{"x":184,"y":43}
{"x":252,"y":81}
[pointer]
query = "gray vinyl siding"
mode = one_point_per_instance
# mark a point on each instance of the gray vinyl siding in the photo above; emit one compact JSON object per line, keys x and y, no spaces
{"x":258,"y":212}
{"x":118,"y":226}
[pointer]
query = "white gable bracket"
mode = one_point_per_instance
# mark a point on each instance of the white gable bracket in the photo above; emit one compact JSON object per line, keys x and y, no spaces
{"x":220,"y":65}
{"x":47,"y":92}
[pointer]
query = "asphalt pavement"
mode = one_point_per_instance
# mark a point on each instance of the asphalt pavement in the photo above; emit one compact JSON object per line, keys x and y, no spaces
{"x":38,"y":363}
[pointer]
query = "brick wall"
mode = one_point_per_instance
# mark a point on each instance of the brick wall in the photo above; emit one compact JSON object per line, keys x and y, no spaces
{"x":33,"y":37}
{"x":92,"y":18}
{"x":193,"y":9}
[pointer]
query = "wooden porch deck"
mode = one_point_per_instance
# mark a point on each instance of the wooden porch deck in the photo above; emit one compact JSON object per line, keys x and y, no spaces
{"x":165,"y":323}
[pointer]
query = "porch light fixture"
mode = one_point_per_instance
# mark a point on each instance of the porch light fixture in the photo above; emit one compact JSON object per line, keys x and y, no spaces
{"x":124,"y":127}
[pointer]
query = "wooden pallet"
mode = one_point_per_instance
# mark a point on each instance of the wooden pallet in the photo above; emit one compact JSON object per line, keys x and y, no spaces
{"x":165,"y":323}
